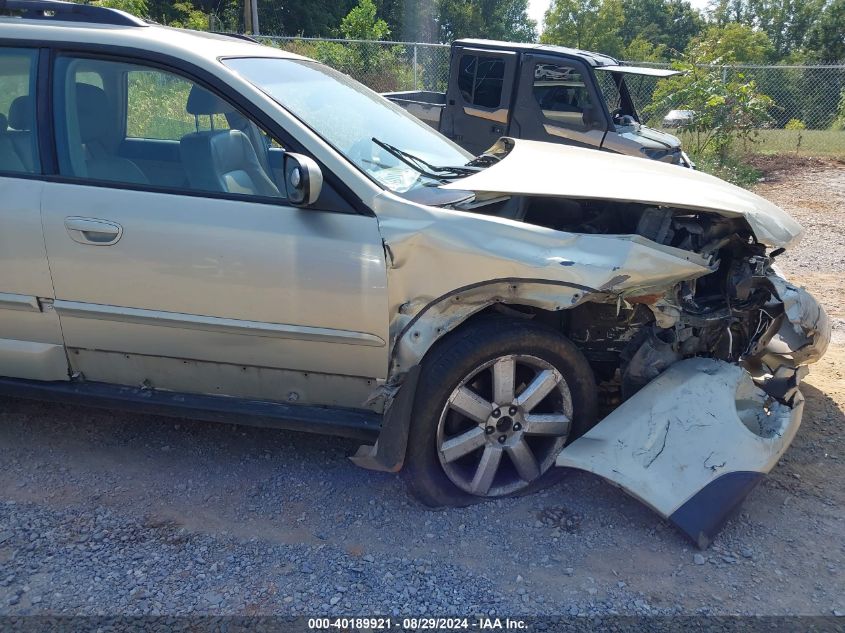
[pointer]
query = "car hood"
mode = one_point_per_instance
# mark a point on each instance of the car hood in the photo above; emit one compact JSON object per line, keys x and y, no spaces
{"x":548,"y":169}
{"x":649,"y":137}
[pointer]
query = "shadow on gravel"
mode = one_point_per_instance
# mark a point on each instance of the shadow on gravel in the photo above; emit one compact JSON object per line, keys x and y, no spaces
{"x":274,"y":491}
{"x":298,"y":488}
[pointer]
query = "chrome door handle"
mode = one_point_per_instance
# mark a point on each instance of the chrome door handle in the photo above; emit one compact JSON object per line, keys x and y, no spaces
{"x":93,"y":231}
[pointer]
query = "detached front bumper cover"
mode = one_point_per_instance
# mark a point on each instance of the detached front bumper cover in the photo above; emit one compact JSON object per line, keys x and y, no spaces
{"x":691,"y":444}
{"x":697,"y":439}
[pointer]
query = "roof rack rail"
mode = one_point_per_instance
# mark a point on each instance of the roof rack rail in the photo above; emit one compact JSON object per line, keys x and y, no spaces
{"x":70,"y":12}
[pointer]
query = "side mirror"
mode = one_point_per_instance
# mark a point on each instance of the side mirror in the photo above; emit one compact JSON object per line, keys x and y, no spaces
{"x":303,"y":180}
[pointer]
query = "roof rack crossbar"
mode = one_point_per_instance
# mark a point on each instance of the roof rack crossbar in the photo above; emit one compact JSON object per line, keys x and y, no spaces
{"x":70,"y":12}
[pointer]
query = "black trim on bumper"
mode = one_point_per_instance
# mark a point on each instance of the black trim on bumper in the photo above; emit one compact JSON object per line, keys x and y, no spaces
{"x":709,"y":509}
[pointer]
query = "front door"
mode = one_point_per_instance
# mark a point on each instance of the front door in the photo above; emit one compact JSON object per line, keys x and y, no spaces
{"x":479,"y":97}
{"x":177,"y":262}
{"x":557,"y":102}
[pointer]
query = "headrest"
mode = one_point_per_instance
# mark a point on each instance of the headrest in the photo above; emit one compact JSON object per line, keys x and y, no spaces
{"x":92,"y":106}
{"x":202,"y":102}
{"x":21,"y":113}
{"x":227,"y":150}
{"x":232,"y":150}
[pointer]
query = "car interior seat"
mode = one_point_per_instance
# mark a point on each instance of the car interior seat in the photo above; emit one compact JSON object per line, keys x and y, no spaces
{"x":9,"y":159}
{"x":20,"y":124}
{"x":99,"y":134}
{"x":221,"y":160}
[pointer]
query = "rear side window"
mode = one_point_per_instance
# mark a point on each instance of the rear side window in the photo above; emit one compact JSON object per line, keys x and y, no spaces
{"x":18,"y":138}
{"x":481,"y":79}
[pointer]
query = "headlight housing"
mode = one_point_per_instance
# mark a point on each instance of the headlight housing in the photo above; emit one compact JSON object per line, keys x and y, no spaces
{"x":664,"y":155}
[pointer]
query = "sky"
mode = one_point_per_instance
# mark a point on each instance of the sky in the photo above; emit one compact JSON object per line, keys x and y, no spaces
{"x":536,"y":8}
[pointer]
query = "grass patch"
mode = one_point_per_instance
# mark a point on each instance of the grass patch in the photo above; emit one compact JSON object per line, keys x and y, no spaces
{"x":825,"y":143}
{"x":813,"y":142}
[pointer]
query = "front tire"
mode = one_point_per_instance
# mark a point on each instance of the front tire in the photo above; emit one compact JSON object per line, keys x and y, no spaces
{"x":496,"y":402}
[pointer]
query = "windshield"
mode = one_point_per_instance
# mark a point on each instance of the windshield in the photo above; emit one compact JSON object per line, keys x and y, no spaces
{"x":349,"y":116}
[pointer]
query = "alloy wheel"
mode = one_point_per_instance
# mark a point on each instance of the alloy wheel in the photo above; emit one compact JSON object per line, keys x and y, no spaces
{"x":503,"y":426}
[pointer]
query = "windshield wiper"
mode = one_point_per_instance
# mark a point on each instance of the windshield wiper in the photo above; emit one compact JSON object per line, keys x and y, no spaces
{"x":426,"y":169}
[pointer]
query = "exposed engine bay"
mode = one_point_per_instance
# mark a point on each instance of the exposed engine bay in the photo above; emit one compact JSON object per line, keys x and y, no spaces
{"x":731,"y":314}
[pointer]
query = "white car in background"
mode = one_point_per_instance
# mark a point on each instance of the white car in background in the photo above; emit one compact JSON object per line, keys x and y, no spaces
{"x":678,"y":118}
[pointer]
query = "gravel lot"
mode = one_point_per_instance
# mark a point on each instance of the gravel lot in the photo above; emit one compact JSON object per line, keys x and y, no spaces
{"x":104,"y":513}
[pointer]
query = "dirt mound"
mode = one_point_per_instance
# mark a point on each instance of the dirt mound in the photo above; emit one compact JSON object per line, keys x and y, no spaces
{"x":775,"y":167}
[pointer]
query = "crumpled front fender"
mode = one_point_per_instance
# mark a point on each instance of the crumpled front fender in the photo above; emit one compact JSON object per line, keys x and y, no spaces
{"x":691,"y":444}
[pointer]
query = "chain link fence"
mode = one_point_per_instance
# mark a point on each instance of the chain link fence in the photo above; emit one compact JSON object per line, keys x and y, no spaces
{"x":382,"y":66}
{"x":808,"y":112}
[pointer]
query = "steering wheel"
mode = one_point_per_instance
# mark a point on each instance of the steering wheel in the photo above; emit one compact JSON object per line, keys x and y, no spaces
{"x":615,"y":114}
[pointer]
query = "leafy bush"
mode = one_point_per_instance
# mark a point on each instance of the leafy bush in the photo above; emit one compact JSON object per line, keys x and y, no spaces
{"x":382,"y":67}
{"x":731,"y":168}
{"x":725,"y":112}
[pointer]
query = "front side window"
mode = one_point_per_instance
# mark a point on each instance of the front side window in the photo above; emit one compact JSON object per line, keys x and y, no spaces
{"x":131,"y":124}
{"x":609,"y":89}
{"x":481,"y":80}
{"x":561,"y":93}
{"x":356,"y":121}
{"x":157,"y":107}
{"x":18,"y":138}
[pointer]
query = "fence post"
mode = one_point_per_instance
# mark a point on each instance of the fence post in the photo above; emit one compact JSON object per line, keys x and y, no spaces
{"x":415,"y":67}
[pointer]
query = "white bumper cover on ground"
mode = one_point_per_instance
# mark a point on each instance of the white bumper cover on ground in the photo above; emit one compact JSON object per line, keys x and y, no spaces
{"x":695,"y":440}
{"x":700,"y":422}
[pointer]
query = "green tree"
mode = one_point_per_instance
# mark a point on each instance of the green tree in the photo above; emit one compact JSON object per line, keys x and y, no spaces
{"x":641,"y":49}
{"x":310,"y":18}
{"x":587,"y":24}
{"x":786,"y":22}
{"x":382,"y":67}
{"x":410,"y":20}
{"x":361,"y":23}
{"x":492,"y":19}
{"x":826,"y":37}
{"x":135,"y":7}
{"x":732,"y":44}
{"x":668,"y":25}
{"x":183,"y":14}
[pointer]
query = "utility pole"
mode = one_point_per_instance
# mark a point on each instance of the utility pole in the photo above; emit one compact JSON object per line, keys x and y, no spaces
{"x":251,"y":17}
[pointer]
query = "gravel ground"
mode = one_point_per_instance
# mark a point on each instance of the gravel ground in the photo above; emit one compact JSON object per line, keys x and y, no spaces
{"x":104,"y":513}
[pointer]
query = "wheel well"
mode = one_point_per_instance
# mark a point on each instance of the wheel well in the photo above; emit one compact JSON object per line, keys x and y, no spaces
{"x":594,"y":328}
{"x":556,"y":319}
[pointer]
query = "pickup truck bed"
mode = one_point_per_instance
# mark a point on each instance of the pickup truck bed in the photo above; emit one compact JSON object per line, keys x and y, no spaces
{"x":423,"y":104}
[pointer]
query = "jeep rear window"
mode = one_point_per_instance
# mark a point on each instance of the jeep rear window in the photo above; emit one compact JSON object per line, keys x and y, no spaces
{"x":480,"y":80}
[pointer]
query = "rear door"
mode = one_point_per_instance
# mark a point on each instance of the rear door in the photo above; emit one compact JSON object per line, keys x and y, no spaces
{"x":478,"y":102}
{"x":30,"y":338}
{"x":557,"y":101}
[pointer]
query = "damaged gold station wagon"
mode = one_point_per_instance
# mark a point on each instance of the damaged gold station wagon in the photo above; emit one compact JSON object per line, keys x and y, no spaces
{"x":197,"y":225}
